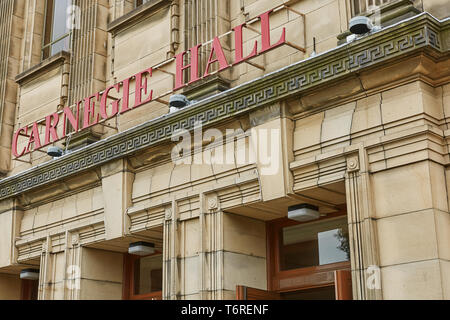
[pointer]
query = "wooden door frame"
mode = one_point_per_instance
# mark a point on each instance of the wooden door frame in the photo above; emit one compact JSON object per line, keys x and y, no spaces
{"x":247,"y":293}
{"x":26,"y":289}
{"x":128,"y":279}
{"x":296,"y":279}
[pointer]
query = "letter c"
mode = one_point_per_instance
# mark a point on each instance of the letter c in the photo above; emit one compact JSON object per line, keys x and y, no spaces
{"x":14,"y":144}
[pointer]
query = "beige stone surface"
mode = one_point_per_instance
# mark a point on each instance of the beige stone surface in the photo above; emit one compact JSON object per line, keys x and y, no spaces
{"x":442,"y":222}
{"x":446,"y":102}
{"x":412,"y":281}
{"x":438,"y":187}
{"x":57,"y":291}
{"x":409,"y":100}
{"x":100,"y":290}
{"x":117,"y":184}
{"x":181,"y":174}
{"x":337,"y":123}
{"x":240,"y":269}
{"x":6,"y":233}
{"x":407,"y":238}
{"x":161,"y":179}
{"x":438,"y":8}
{"x":114,"y":206}
{"x":367,"y":114}
{"x":100,"y":265}
{"x":38,"y":93}
{"x":445,"y":270}
{"x":57,"y":267}
{"x":401,"y":190}
{"x":10,"y":287}
{"x":142,"y":40}
{"x":142,"y":183}
{"x":191,"y":240}
{"x":244,"y":235}
{"x":308,"y":131}
{"x":191,"y":275}
{"x":272,"y":143}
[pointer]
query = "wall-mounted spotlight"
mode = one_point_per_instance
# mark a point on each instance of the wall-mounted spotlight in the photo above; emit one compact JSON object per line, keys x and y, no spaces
{"x":178,"y":102}
{"x":359,"y":26}
{"x":141,"y":248}
{"x":303,"y":212}
{"x":55,"y":152}
{"x":29,"y":274}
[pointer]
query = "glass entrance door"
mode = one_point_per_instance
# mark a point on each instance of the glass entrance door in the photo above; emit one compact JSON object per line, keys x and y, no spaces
{"x":310,"y":260}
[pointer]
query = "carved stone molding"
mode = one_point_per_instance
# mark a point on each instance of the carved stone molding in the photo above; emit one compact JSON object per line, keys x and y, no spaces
{"x":168,"y":214}
{"x":353,"y":164}
{"x":75,"y":239}
{"x":212,"y":203}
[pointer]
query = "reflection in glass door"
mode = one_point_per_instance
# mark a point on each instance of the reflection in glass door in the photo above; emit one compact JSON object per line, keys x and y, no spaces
{"x":310,"y":260}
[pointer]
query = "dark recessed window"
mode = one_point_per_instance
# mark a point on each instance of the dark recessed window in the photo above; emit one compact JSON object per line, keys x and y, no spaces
{"x":143,"y":277}
{"x":147,"y":275}
{"x":56,"y":32}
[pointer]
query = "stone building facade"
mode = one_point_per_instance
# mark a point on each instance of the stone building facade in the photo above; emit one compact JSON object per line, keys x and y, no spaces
{"x":358,"y":128}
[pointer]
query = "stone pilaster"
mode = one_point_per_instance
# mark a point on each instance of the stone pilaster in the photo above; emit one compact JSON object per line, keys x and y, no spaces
{"x":72,"y":280}
{"x":44,"y":277}
{"x":170,"y":249}
{"x":211,"y":224}
{"x":362,"y":228}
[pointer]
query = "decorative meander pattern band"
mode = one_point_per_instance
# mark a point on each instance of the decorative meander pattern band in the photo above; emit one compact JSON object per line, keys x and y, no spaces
{"x":421,"y":32}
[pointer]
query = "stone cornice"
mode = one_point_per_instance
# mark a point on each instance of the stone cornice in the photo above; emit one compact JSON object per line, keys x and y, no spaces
{"x":136,"y":14}
{"x":43,"y":67}
{"x":423,"y":32}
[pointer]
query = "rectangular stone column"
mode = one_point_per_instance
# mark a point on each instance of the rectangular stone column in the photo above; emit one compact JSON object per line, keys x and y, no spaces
{"x":117,"y":184}
{"x":362,"y":228}
{"x":413,"y":228}
{"x":52,"y":273}
{"x":212,"y":254}
{"x":170,"y":254}
{"x":10,"y":218}
{"x":101,"y":275}
{"x":244,"y":255}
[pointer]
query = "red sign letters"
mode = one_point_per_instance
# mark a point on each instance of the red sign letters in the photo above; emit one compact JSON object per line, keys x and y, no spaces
{"x":92,"y":115}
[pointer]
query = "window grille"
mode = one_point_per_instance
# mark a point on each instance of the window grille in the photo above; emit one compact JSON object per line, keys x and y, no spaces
{"x":361,"y":6}
{"x":138,"y":3}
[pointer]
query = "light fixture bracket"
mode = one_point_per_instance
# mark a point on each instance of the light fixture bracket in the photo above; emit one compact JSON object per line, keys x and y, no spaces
{"x":141,"y":248}
{"x":29,"y":274}
{"x":303,"y":212}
